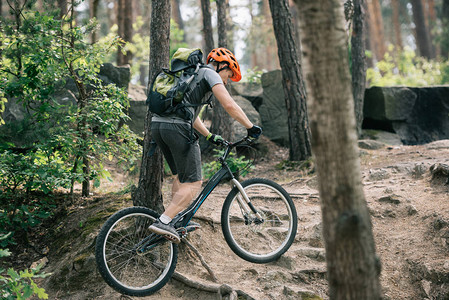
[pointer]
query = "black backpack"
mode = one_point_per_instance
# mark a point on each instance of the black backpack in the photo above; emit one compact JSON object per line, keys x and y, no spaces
{"x":166,"y":93}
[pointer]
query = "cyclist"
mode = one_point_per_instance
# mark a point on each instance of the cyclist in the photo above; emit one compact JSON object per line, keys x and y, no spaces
{"x":180,"y":149}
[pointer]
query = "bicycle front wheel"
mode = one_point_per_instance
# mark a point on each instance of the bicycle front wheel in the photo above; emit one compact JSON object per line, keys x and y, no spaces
{"x":263,"y":236}
{"x":130,"y":258}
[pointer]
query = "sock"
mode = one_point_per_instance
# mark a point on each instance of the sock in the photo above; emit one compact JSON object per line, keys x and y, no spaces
{"x":165,"y":219}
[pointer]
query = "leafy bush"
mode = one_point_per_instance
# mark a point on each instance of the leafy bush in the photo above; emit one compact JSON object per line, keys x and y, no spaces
{"x":236,"y":164}
{"x":56,"y":145}
{"x":405,"y":68}
{"x":19,"y":285}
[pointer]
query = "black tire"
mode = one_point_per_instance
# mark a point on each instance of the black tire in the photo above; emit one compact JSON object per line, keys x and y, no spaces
{"x":252,"y":239}
{"x":120,"y":263}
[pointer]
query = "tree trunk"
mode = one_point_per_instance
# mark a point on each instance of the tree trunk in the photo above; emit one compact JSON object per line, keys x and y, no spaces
{"x":358,"y":61}
{"x":94,"y":14}
{"x":62,"y":4}
{"x":149,"y":190}
{"x":294,"y":90}
{"x":222,"y":24}
{"x":422,"y":35}
{"x":396,"y":24}
{"x":208,"y":37}
{"x":120,"y":29}
{"x":222,"y":122}
{"x":176,"y":13}
{"x":128,"y":29}
{"x":125,"y":29}
{"x":352,"y":265}
{"x":376,"y":29}
{"x":445,"y":27}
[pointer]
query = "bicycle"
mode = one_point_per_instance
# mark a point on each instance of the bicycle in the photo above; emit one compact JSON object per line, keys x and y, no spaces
{"x":258,"y":219}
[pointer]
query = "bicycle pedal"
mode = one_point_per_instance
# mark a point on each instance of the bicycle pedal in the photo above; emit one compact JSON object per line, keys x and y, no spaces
{"x":172,"y":239}
{"x":181,"y":231}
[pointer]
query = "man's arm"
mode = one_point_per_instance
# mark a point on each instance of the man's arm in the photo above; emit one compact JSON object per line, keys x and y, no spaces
{"x":200,"y":127}
{"x":231,"y":107}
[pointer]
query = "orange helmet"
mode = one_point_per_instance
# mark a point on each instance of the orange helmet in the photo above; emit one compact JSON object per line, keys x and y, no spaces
{"x":224,"y":55}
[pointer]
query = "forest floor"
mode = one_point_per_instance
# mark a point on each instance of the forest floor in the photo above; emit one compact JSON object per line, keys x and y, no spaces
{"x":409,"y":206}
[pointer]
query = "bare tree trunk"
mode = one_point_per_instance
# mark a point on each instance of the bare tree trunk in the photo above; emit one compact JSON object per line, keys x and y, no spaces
{"x":376,"y":29}
{"x":445,"y":26}
{"x":358,"y":61}
{"x":208,"y":37}
{"x":352,"y":265}
{"x":422,"y":34}
{"x":176,"y":13}
{"x":62,"y":4}
{"x":396,"y":24}
{"x":149,"y":190}
{"x":222,"y":122}
{"x":120,"y":29}
{"x":1,"y":27}
{"x":93,"y":14}
{"x":222,"y":23}
{"x":125,"y":29}
{"x":294,"y":90}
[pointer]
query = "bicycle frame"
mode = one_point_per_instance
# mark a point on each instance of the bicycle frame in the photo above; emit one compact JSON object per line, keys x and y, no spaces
{"x":184,"y":217}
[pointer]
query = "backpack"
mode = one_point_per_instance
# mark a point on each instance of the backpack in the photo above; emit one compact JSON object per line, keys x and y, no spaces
{"x":166,"y":93}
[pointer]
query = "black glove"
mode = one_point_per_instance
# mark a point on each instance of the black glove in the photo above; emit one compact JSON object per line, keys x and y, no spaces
{"x":215,"y":139}
{"x":254,"y":132}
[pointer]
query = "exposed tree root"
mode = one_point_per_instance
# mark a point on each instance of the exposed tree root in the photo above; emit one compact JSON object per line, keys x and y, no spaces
{"x":222,"y":290}
{"x":203,"y":262}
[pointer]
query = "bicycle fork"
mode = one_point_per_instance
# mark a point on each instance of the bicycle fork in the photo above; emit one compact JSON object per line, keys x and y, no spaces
{"x":243,"y":199}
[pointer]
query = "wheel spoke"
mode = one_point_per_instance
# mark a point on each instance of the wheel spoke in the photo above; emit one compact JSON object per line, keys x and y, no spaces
{"x":264,"y":238}
{"x":119,"y":262}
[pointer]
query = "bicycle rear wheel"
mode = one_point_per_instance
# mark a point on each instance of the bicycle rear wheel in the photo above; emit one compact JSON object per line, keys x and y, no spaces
{"x":263,"y":238}
{"x":131,"y":259}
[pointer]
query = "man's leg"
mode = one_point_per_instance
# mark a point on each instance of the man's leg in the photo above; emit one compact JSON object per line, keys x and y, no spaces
{"x":182,"y":195}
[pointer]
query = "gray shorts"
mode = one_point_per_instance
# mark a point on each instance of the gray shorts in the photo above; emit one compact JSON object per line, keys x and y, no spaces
{"x":183,"y":157}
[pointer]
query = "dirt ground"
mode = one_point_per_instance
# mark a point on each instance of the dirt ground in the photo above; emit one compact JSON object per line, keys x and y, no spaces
{"x":410,"y":216}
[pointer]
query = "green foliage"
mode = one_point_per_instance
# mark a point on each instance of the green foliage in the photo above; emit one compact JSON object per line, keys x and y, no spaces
{"x":405,"y":68}
{"x":19,"y":285}
{"x":235,"y":163}
{"x":253,"y":76}
{"x":48,"y":149}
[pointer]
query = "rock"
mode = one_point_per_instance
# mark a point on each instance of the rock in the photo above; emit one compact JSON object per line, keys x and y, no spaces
{"x":298,"y":293}
{"x":317,"y":254}
{"x":250,"y":91}
{"x":377,"y":175}
{"x":285,"y":262}
{"x":411,"y":210}
{"x":419,"y":170}
{"x":273,"y":112}
{"x":417,"y":115}
{"x":41,"y":262}
{"x":316,"y":236}
{"x":388,"y":138}
{"x":393,"y":199}
{"x":370,"y":144}
{"x":252,"y":114}
{"x":443,"y":144}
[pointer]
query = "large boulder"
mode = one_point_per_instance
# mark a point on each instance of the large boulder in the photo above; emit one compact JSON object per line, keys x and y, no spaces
{"x":273,"y":112}
{"x":250,"y":91}
{"x":250,"y":111}
{"x":417,"y":115}
{"x":15,"y":112}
